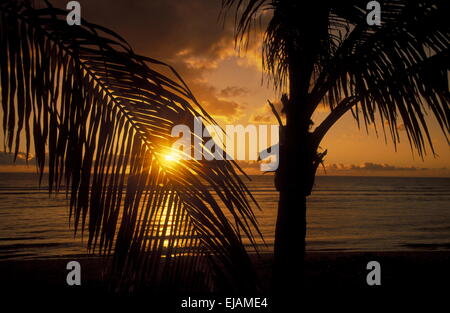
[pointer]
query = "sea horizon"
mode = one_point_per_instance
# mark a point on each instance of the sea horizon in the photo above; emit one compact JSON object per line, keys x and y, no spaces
{"x":346,"y":213}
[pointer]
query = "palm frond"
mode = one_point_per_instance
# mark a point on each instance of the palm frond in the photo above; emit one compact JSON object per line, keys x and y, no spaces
{"x":398,"y":71}
{"x":104,"y":115}
{"x":246,"y":13}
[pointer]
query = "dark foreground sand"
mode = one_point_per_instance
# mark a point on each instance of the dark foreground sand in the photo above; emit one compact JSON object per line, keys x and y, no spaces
{"x":327,"y":273}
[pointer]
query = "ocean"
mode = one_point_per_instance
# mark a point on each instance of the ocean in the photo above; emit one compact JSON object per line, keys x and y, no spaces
{"x":344,"y":214}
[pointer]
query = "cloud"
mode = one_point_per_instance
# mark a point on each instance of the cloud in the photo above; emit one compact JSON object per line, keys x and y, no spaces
{"x":401,"y":127}
{"x":233,"y":91}
{"x":365,"y":169}
{"x":265,"y":115}
{"x":8,"y":159}
{"x":209,"y":98}
{"x":261,"y":119}
{"x":189,"y":35}
{"x":162,"y":28}
{"x":384,"y":167}
{"x":369,"y":166}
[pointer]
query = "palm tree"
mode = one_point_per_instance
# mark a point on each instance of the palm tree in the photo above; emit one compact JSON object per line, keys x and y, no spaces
{"x":325,"y":53}
{"x":100,"y":117}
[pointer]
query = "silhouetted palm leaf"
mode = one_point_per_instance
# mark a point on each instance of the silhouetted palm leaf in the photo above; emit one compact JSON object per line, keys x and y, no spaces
{"x":397,"y":71}
{"x":104,"y":115}
{"x":324,"y":52}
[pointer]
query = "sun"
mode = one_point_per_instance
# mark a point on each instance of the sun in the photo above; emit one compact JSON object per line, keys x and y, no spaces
{"x":171,"y":157}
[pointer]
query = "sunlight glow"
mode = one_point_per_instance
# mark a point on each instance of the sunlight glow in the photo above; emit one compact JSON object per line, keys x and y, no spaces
{"x":171,"y":157}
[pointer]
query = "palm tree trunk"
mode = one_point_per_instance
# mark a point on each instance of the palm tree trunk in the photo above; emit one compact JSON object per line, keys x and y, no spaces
{"x":294,"y":181}
{"x":289,"y":250}
{"x":298,"y":157}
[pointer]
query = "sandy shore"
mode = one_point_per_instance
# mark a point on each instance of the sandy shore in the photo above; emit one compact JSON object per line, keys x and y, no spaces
{"x":333,"y":268}
{"x":325,"y":271}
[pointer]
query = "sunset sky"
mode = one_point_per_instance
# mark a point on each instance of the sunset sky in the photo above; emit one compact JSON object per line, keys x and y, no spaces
{"x":189,"y":35}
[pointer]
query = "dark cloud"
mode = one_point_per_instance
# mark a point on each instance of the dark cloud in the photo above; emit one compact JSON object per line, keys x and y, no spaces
{"x":401,"y":127}
{"x":8,"y":159}
{"x":209,"y":99}
{"x":233,"y":91}
{"x":189,"y":35}
{"x":369,"y":166}
{"x":261,"y":118}
{"x":266,"y":115}
{"x":162,"y":28}
{"x":384,"y":167}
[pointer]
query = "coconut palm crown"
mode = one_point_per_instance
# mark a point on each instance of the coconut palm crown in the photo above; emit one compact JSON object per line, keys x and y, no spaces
{"x":100,"y":119}
{"x":325,"y":53}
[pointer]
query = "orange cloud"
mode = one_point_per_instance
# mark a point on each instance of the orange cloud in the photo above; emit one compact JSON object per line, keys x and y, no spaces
{"x":210,"y":98}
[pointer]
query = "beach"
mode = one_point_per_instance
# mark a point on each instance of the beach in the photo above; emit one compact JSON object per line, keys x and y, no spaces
{"x":136,"y":174}
{"x":402,"y":223}
{"x":322,"y":270}
{"x":328,"y":275}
